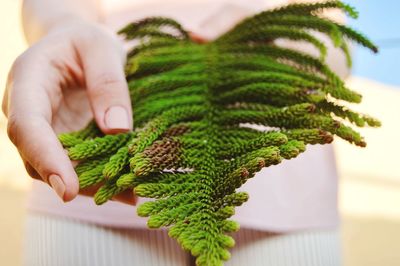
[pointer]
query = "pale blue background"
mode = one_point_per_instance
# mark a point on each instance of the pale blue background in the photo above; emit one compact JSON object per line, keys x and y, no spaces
{"x":379,"y":20}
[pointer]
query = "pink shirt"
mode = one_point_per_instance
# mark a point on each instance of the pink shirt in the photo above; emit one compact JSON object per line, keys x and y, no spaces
{"x":297,"y":194}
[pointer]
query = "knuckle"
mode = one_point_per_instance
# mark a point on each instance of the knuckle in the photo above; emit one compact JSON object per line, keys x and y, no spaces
{"x":99,"y":37}
{"x":89,"y":37}
{"x":14,"y":129}
{"x":107,"y":85}
{"x":4,"y":105}
{"x":20,"y":61}
{"x":90,"y":34}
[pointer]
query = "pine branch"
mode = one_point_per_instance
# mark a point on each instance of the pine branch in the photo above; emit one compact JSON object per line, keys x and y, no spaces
{"x":191,"y":150}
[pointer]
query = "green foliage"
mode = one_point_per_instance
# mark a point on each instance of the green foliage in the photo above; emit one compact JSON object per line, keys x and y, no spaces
{"x":192,"y":148}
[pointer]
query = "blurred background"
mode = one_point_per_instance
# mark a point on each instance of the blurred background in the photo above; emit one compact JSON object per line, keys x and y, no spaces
{"x":369,"y":178}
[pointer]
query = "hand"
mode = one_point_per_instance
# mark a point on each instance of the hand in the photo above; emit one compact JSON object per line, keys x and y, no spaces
{"x":197,"y":38}
{"x":72,"y":74}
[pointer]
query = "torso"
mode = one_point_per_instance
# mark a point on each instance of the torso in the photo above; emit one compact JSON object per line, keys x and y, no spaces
{"x":298,"y":194}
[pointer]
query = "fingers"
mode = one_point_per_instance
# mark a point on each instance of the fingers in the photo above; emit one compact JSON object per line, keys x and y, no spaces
{"x":103,"y":62}
{"x":29,"y":116}
{"x":197,"y":38}
{"x":127,"y":196}
{"x":38,"y":144}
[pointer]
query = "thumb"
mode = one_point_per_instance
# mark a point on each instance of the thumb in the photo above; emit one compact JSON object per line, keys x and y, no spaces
{"x":103,"y":65}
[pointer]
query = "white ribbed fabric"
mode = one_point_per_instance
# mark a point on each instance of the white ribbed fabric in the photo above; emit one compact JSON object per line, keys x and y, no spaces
{"x":304,"y":248}
{"x":58,"y":241}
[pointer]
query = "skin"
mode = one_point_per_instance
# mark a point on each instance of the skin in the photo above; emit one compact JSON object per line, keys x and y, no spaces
{"x":72,"y":72}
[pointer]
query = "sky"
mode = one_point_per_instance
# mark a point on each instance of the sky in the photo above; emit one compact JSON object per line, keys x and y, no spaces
{"x":380,"y":21}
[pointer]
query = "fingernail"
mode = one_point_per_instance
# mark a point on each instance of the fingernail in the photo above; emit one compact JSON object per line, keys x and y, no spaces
{"x":116,"y":117}
{"x":58,"y":185}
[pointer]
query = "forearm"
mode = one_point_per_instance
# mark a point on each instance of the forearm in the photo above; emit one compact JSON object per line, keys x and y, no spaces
{"x":40,"y":16}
